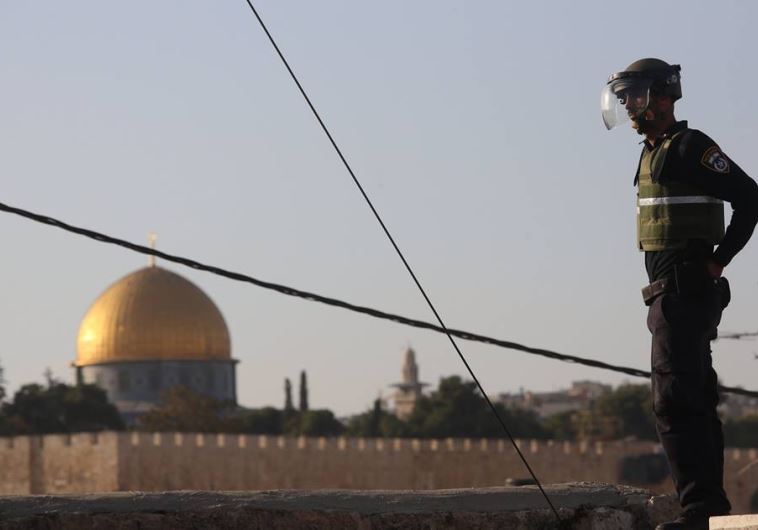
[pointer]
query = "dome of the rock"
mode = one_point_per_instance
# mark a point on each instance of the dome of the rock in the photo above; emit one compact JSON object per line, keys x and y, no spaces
{"x":152,"y":314}
{"x":149,"y":332}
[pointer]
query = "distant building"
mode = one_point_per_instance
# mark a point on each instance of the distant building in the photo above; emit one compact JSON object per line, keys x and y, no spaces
{"x":410,"y":389}
{"x":545,"y":404}
{"x":150,"y":331}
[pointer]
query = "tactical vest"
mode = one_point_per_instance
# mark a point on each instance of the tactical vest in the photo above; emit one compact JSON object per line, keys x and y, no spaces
{"x":670,"y":212}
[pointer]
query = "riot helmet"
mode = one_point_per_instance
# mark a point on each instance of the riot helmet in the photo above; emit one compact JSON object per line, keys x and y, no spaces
{"x":627,"y":93}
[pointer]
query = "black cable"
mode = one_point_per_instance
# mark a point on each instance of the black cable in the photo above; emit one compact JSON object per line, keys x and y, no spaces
{"x":402,"y":258}
{"x":738,"y":336}
{"x":376,"y":313}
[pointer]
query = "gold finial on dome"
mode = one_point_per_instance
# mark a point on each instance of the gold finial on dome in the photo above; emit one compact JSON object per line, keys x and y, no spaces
{"x":152,"y":314}
{"x":152,"y":237}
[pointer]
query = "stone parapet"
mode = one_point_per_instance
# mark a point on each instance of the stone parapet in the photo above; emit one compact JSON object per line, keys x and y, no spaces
{"x":580,"y":506}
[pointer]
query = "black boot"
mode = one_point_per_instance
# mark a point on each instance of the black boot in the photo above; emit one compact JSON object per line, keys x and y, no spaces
{"x":686,"y":521}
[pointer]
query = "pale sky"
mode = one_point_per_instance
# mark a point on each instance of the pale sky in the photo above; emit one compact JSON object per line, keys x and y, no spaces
{"x":475,"y":127}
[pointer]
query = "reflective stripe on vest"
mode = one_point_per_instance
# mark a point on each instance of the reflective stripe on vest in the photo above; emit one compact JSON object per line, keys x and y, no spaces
{"x":671,"y":214}
{"x":693,"y":199}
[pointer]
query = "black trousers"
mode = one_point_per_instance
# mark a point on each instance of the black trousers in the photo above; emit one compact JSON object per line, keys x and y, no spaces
{"x":685,"y":397}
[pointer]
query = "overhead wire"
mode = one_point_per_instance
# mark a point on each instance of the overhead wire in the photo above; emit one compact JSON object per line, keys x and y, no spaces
{"x":402,"y":257}
{"x":739,"y":335}
{"x":335,"y":302}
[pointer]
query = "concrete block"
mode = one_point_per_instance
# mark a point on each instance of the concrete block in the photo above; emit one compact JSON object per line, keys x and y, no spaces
{"x":734,"y":522}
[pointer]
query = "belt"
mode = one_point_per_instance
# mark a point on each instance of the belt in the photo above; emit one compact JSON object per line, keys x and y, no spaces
{"x":657,"y":288}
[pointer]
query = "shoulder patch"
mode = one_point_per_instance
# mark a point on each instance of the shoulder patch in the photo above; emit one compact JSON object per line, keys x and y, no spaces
{"x":715,"y":160}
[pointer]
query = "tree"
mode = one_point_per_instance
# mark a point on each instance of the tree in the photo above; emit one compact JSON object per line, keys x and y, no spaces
{"x":2,"y":385}
{"x":457,"y":409}
{"x":377,"y":422}
{"x":182,"y":410}
{"x":57,"y":408}
{"x":86,"y":408}
{"x":267,"y":420}
{"x":375,"y":419}
{"x":627,"y":411}
{"x":288,"y":408}
{"x":303,"y":392}
{"x":562,"y":426}
{"x":742,"y":432}
{"x":318,"y":423}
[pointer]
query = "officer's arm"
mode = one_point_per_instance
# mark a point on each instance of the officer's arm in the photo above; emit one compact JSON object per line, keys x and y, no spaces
{"x":718,"y":176}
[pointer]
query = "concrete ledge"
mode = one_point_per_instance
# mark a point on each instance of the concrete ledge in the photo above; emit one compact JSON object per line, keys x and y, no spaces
{"x":583,"y":505}
{"x":734,"y":522}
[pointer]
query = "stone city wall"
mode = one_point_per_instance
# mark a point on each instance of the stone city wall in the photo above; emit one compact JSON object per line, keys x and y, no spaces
{"x":159,"y":461}
{"x":15,"y":465}
{"x":135,"y":461}
{"x":77,"y":463}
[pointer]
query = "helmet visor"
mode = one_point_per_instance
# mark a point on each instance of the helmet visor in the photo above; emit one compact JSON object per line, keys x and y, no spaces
{"x":623,"y":99}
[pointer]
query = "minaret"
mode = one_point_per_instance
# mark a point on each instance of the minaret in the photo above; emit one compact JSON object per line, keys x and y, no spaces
{"x":152,"y":237}
{"x":410,"y":389}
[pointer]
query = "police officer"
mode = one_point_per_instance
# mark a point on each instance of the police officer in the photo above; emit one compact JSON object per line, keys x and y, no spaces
{"x":682,"y":179}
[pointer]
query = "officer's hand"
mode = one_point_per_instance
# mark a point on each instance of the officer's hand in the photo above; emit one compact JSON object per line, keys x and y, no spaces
{"x":714,"y":269}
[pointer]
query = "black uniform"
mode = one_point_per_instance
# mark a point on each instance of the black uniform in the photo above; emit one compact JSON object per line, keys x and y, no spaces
{"x":683,"y":322}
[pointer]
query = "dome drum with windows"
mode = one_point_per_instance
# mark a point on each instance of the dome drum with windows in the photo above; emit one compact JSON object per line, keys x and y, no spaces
{"x":152,"y":330}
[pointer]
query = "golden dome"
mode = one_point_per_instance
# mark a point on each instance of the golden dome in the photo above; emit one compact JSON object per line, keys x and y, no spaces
{"x":152,"y":314}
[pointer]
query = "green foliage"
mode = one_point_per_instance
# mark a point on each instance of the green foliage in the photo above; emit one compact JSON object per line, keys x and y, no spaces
{"x":2,"y":385}
{"x":303,"y":392}
{"x":288,"y":407}
{"x":59,"y":408}
{"x":457,"y":409}
{"x":742,"y":432}
{"x":86,"y":408}
{"x":318,"y":423}
{"x":522,"y":424}
{"x":562,"y":426}
{"x":377,"y":423}
{"x":267,"y":420}
{"x":185,"y":411}
{"x":625,"y":412}
{"x":182,"y":410}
